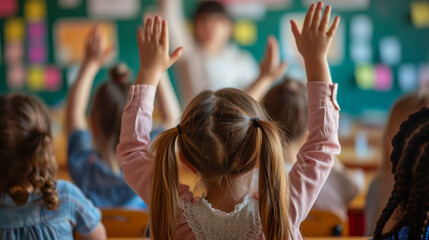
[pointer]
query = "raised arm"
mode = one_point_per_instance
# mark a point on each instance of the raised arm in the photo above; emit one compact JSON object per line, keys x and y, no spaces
{"x":173,"y":12}
{"x":316,"y":157}
{"x":132,"y":152}
{"x":270,"y":70}
{"x":167,"y":103}
{"x":78,"y":97}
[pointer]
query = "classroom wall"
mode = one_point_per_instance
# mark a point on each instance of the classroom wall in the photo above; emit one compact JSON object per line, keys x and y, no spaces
{"x":389,"y":18}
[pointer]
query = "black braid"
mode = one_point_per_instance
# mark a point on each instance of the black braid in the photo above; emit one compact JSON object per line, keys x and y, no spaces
{"x":413,"y":122}
{"x":417,"y":207}
{"x":402,"y":177}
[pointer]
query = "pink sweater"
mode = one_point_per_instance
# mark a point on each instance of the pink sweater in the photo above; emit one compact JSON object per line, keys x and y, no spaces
{"x":314,"y":161}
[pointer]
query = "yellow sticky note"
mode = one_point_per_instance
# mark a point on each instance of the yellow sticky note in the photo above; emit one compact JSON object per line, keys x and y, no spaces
{"x":35,"y":78}
{"x":420,"y":14}
{"x":35,"y":10}
{"x":365,"y":76}
{"x":14,"y":29}
{"x":245,"y":33}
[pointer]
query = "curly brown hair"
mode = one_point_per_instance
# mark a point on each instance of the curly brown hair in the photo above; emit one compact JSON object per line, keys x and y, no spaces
{"x":27,"y":162}
{"x":410,"y":161}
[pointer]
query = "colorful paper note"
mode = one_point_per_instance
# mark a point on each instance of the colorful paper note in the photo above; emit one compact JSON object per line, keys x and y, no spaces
{"x":15,"y":75}
{"x":8,"y":8}
{"x":420,"y":14}
{"x":14,"y":52}
{"x":365,"y":76}
{"x":361,"y":28}
{"x":37,"y":53}
{"x":121,"y":9}
{"x":390,"y":50}
{"x":71,"y":35}
{"x":36,"y":78}
{"x":407,"y":77}
{"x":35,"y":10}
{"x":361,"y":51}
{"x":245,"y":33}
{"x":384,"y":78}
{"x":14,"y":30}
{"x":36,"y":30}
{"x":53,"y":78}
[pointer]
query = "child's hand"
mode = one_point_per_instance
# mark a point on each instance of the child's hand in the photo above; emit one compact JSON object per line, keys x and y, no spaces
{"x":95,"y":52}
{"x":270,"y":67}
{"x":153,"y":51}
{"x":314,"y":40}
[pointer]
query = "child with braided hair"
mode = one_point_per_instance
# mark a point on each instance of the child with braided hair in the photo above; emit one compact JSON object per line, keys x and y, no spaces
{"x":406,"y":213}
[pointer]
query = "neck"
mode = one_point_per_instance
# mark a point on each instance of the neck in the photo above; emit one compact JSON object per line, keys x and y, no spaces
{"x":225,"y":196}
{"x":213,"y":48}
{"x":292,"y":151}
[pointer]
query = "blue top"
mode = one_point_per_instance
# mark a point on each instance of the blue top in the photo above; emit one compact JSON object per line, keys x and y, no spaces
{"x":96,"y":180}
{"x":34,"y":221}
{"x":403,"y":234}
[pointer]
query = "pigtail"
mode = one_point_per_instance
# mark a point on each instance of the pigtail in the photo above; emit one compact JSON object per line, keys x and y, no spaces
{"x":165,"y":183}
{"x":273,"y":190}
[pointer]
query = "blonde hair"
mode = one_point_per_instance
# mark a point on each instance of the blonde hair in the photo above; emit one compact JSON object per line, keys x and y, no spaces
{"x":220,"y":139}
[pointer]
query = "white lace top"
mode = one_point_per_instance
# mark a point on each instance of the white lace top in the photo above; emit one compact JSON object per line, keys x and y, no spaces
{"x":209,"y":223}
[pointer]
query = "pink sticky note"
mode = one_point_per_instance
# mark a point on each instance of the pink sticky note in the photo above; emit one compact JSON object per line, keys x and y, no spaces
{"x":37,"y":53}
{"x":384,"y":78}
{"x":53,"y":78}
{"x":424,"y":75}
{"x":14,"y":52}
{"x":36,"y":30}
{"x":8,"y":8}
{"x":16,"y":76}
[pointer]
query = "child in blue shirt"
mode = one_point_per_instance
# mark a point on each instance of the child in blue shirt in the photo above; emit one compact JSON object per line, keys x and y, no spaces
{"x":92,"y":152}
{"x":32,"y":204}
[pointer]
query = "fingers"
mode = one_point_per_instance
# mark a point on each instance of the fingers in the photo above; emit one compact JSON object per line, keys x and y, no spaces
{"x":309,"y":17}
{"x":148,"y":29}
{"x":156,"y":29}
{"x":164,"y":34}
{"x":295,"y":29}
{"x":175,"y":55}
{"x":325,"y":20}
{"x":334,"y":27}
{"x":281,"y":69}
{"x":269,"y":51}
{"x":97,"y":37}
{"x":317,"y":15}
{"x":140,"y":38}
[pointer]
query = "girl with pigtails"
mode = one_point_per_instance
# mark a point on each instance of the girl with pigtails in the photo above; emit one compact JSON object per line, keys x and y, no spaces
{"x":225,"y":136}
{"x":406,"y":213}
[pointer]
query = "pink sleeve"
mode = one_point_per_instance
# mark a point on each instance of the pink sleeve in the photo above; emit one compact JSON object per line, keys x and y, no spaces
{"x":316,"y":157}
{"x":131,"y":152}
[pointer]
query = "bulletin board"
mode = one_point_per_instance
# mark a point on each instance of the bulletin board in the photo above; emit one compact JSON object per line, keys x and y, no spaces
{"x":389,"y":18}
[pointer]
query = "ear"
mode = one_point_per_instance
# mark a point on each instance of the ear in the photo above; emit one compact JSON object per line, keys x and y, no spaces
{"x":187,"y":164}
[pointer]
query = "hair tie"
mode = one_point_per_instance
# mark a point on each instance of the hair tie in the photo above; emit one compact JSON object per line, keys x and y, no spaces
{"x":179,"y":128}
{"x":255,"y":122}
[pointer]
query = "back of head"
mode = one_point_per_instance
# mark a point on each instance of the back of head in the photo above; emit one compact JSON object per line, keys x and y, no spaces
{"x":221,"y":136}
{"x":106,"y":112}
{"x":410,"y":164}
{"x":286,"y":103}
{"x":27,"y":163}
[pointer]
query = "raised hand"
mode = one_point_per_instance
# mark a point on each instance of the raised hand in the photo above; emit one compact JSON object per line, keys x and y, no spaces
{"x":154,"y":54}
{"x":315,"y":38}
{"x":95,"y":52}
{"x":270,"y":66}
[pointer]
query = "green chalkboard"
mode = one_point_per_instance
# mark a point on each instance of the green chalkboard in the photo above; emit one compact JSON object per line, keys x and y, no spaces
{"x":390,"y":17}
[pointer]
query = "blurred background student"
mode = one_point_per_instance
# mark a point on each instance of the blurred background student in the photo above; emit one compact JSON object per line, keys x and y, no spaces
{"x":382,"y":185}
{"x":92,"y":152}
{"x":286,"y":103}
{"x":211,"y":60}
